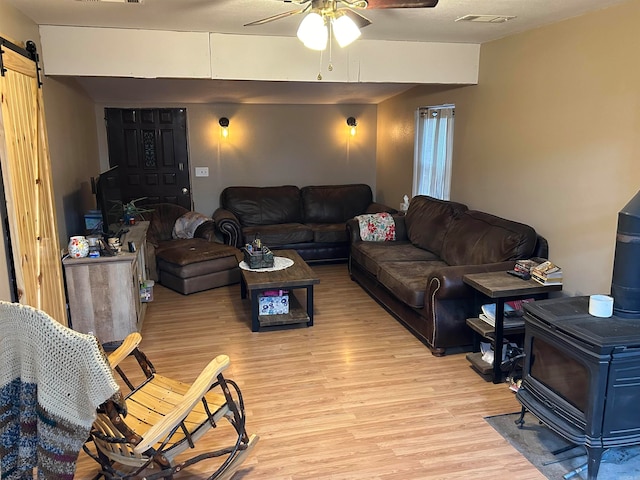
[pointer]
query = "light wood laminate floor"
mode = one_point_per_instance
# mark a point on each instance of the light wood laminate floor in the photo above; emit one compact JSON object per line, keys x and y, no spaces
{"x":356,"y":396}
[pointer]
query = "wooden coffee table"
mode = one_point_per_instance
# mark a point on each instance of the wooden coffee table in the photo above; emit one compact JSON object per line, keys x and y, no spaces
{"x":297,"y":276}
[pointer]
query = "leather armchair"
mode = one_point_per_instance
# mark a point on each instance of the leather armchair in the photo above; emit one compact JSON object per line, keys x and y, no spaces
{"x":162,"y":219}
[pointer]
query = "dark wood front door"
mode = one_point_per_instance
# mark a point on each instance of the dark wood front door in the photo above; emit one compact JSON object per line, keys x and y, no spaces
{"x":150,"y":148}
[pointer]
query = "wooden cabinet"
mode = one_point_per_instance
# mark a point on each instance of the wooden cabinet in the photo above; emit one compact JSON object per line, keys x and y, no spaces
{"x":104,"y":292}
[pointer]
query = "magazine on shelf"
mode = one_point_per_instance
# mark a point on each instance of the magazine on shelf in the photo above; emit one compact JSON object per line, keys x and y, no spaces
{"x":512,"y":308}
{"x":507,"y":322}
{"x":513,"y":313}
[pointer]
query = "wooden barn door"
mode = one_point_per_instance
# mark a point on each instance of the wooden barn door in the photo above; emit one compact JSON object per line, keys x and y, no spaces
{"x":26,"y":173}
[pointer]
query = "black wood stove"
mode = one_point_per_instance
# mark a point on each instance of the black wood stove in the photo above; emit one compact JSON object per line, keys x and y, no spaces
{"x":582,"y":375}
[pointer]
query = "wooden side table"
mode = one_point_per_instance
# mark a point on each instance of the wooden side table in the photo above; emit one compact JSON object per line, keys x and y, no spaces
{"x":502,"y":287}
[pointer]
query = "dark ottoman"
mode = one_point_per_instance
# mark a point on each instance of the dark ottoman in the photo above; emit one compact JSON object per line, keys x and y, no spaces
{"x":196,"y":264}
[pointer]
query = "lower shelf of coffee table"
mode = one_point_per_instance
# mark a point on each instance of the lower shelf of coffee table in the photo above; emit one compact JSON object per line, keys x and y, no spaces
{"x":297,"y":314}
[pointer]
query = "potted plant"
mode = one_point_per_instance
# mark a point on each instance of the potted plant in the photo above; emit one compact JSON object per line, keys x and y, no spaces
{"x":132,"y":211}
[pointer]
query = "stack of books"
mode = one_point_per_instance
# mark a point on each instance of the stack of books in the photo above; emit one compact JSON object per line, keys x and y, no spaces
{"x":525,"y":266}
{"x":547,"y":273}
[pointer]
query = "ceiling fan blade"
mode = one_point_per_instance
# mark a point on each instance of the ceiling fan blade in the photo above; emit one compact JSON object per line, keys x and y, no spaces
{"x":360,"y":20}
{"x":401,"y":3}
{"x":275,"y":17}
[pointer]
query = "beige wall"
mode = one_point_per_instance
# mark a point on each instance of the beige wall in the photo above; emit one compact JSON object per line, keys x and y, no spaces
{"x":273,"y":145}
{"x":73,"y":146}
{"x":14,"y":26}
{"x":549,"y":137}
{"x":396,"y":121}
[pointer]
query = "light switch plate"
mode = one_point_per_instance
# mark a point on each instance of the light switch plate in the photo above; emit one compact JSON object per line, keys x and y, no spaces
{"x":202,"y":171}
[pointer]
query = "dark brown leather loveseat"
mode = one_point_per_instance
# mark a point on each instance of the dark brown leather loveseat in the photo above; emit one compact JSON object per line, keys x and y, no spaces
{"x":310,"y":220}
{"x":418,"y":277}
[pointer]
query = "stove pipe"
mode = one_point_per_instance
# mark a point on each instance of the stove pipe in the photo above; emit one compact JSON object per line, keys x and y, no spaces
{"x":625,"y":286}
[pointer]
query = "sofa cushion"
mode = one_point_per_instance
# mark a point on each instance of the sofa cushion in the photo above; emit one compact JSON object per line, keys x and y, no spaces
{"x":476,"y":238}
{"x":334,"y":203}
{"x":329,"y":232}
{"x":371,"y":254}
{"x":428,"y":220}
{"x":408,"y":280}
{"x":263,"y":205}
{"x":283,"y":234}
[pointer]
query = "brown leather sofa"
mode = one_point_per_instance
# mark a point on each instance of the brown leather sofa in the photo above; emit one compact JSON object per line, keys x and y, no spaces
{"x":188,"y":265}
{"x":418,"y":277}
{"x":310,"y":220}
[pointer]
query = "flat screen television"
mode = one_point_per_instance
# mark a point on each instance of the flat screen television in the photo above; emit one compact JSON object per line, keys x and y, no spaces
{"x":109,"y":200}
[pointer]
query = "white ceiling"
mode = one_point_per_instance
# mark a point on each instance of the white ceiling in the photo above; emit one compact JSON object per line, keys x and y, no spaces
{"x":228,"y":16}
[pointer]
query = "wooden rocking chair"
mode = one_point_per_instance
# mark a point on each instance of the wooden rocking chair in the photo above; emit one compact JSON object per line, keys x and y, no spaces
{"x":164,"y":418}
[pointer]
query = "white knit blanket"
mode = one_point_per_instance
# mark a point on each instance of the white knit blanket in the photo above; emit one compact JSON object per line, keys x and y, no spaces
{"x":52,"y":379}
{"x":186,"y":225}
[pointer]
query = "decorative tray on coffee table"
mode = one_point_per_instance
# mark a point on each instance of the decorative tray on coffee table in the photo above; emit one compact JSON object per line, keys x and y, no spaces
{"x":258,"y":258}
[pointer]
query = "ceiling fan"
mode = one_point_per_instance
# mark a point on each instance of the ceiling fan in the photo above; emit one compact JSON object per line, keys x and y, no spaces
{"x":338,"y":16}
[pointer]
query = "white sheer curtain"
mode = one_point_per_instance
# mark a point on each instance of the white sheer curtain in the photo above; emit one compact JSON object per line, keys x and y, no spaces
{"x":433,"y":151}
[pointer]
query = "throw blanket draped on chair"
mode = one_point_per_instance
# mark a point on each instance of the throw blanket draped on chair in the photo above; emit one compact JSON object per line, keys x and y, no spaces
{"x":186,"y":225}
{"x":52,"y":379}
{"x":377,"y":227}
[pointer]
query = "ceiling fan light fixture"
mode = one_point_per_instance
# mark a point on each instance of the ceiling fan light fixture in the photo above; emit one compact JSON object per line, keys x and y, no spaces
{"x":313,"y":32}
{"x":345,"y":30}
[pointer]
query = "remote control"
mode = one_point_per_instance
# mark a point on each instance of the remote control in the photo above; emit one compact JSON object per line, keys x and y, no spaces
{"x":522,"y":275}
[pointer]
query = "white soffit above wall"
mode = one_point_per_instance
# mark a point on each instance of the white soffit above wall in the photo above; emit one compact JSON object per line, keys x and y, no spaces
{"x":118,"y":52}
{"x":419,"y":62}
{"x":113,"y":52}
{"x":251,"y":57}
{"x":285,"y":58}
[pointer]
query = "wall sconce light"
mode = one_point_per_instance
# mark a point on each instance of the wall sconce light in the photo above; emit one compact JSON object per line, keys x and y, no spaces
{"x":224,"y":127}
{"x":351,"y":121}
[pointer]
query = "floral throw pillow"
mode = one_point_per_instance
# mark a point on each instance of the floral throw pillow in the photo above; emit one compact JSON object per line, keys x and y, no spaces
{"x":377,"y":227}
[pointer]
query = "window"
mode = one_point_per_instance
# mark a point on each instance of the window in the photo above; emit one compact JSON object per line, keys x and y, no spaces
{"x":433,"y":151}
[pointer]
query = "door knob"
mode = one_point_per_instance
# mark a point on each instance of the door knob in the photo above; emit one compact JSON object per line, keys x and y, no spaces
{"x":185,"y":190}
